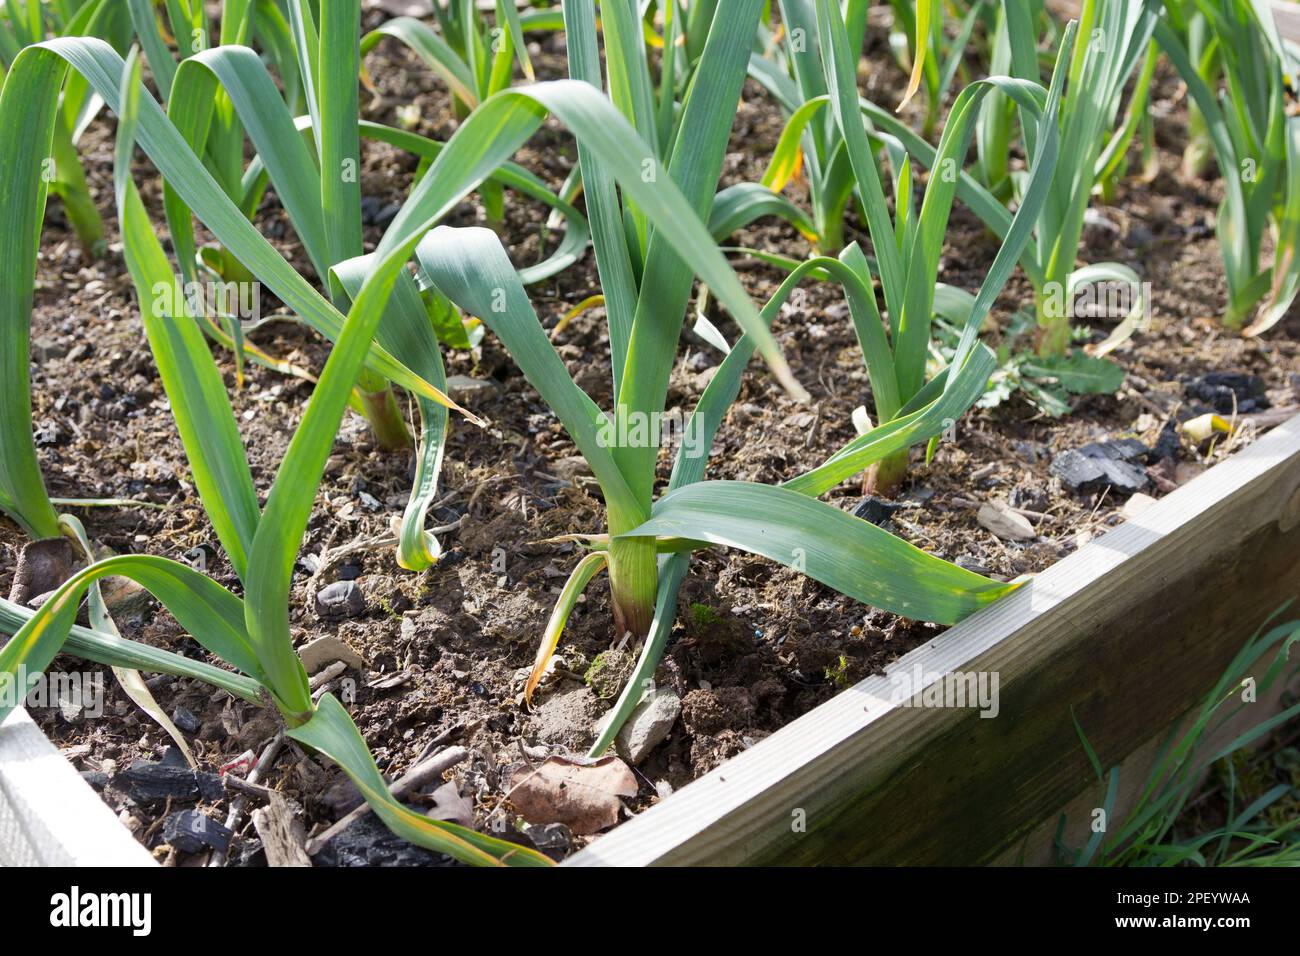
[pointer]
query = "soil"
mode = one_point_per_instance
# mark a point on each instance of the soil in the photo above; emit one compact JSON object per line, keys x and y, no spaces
{"x":755,"y":644}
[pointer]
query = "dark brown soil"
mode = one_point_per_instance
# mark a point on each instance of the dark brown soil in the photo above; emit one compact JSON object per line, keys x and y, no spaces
{"x":756,"y":644}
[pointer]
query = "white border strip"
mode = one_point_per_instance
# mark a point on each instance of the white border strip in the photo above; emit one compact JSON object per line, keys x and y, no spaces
{"x":49,"y":816}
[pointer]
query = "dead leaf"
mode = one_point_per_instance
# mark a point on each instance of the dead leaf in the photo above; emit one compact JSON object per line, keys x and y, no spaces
{"x":582,"y":794}
{"x":449,"y":805}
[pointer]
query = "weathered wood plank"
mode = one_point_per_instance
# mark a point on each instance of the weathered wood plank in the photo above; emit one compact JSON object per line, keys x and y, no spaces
{"x":1128,"y":632}
{"x":48,"y":815}
{"x":1038,"y":846}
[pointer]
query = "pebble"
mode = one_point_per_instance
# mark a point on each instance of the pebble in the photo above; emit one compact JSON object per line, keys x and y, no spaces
{"x":998,"y":517}
{"x":186,"y":721}
{"x":1030,"y":497}
{"x":1137,"y":504}
{"x":649,"y":725}
{"x":552,"y":839}
{"x":970,"y":564}
{"x":326,"y":650}
{"x":1138,"y":237}
{"x":462,"y":386}
{"x":340,"y":599}
{"x":73,"y":708}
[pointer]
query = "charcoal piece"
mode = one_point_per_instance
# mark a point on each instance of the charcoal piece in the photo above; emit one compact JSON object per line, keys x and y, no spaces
{"x":1228,"y":391}
{"x":875,"y":510}
{"x":367,"y":842}
{"x":1106,"y":464}
{"x":190,"y":831}
{"x":147,"y":782}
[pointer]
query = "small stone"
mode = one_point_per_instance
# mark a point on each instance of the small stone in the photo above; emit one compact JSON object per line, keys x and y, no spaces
{"x":462,"y":386}
{"x":72,"y":707}
{"x":1030,"y":451}
{"x":190,"y":831}
{"x":1030,"y":497}
{"x":1137,"y":504}
{"x":46,"y":348}
{"x":970,"y":564}
{"x":211,"y":789}
{"x":37,"y":602}
{"x":125,"y":598}
{"x":340,"y":599}
{"x":553,"y":839}
{"x":326,"y":650}
{"x":649,"y":725}
{"x":1098,"y":225}
{"x":342,"y":798}
{"x":1138,"y":237}
{"x":43,"y":565}
{"x":186,"y":721}
{"x":95,"y":778}
{"x":570,"y":468}
{"x":998,"y":517}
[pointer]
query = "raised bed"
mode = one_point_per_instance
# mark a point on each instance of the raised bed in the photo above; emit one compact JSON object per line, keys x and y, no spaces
{"x":1128,"y":632}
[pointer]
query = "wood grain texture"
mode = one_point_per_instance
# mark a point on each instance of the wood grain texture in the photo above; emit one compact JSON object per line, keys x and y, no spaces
{"x":1127,"y":633}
